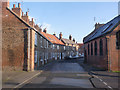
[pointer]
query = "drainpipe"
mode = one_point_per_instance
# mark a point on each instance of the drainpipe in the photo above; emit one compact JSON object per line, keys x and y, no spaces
{"x":28,"y":60}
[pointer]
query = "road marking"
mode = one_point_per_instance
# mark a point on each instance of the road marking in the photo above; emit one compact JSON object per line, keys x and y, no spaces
{"x":109,"y":87}
{"x":27,"y":80}
{"x":103,"y":82}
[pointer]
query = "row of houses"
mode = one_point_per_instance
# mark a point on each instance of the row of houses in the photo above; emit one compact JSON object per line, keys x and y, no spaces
{"x":102,"y":45}
{"x":25,"y":46}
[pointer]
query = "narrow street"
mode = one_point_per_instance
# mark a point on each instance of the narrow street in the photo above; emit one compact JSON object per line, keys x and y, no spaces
{"x":61,"y":74}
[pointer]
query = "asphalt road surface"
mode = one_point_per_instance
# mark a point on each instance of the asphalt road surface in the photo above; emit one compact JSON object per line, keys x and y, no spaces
{"x":61,"y":74}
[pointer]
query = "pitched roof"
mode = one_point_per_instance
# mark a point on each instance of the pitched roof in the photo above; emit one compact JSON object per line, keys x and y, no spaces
{"x":53,"y":39}
{"x":25,"y":22}
{"x":67,"y":41}
{"x":107,"y":28}
{"x":80,"y":45}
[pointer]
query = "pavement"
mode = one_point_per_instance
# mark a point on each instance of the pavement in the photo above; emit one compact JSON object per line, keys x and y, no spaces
{"x":101,"y":78}
{"x":14,"y":79}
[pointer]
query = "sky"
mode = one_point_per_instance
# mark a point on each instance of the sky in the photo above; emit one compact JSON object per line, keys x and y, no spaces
{"x":70,"y":18}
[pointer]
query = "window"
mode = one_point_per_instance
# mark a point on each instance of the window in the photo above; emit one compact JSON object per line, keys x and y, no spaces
{"x":35,"y":57}
{"x":118,"y":40}
{"x":58,"y":47}
{"x":88,"y":49}
{"x":41,"y":40}
{"x":101,"y":47}
{"x":95,"y":48}
{"x":91,"y":49}
{"x":53,"y":46}
{"x":64,"y":47}
{"x":36,"y":39}
{"x":47,"y":44}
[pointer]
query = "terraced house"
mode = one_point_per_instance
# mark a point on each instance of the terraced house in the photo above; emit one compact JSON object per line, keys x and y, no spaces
{"x":71,"y":48}
{"x":19,"y":40}
{"x":102,"y":46}
{"x":25,"y":45}
{"x":57,"y":47}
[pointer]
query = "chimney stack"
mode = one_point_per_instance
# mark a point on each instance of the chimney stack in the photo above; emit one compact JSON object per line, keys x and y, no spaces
{"x":70,"y":37}
{"x":32,"y":22}
{"x":97,"y":25}
{"x":40,"y":29}
{"x":25,"y":17}
{"x":60,"y":35}
{"x":22,"y":13}
{"x":17,"y":10}
{"x":5,"y":3}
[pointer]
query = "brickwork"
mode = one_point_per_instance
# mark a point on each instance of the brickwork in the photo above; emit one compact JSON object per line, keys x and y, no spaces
{"x":110,"y":58}
{"x":13,"y":41}
{"x":97,"y":60}
{"x":17,"y":42}
{"x":113,"y":53}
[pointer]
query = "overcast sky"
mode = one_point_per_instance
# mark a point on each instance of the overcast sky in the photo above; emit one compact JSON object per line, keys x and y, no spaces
{"x":75,"y":18}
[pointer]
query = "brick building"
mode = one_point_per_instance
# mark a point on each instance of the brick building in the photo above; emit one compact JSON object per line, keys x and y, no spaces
{"x":56,"y":50}
{"x":25,"y":46}
{"x":80,"y":49}
{"x":102,"y":46}
{"x":42,"y":48}
{"x":18,"y":39}
{"x":71,"y":48}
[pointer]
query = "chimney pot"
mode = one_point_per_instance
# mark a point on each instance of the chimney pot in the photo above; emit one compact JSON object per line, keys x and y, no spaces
{"x":54,"y":34}
{"x":32,"y":19}
{"x":73,"y":40}
{"x":26,"y":13}
{"x":60,"y":35}
{"x":70,"y":37}
{"x":45,"y":30}
{"x":13,"y":5}
{"x":19,"y":5}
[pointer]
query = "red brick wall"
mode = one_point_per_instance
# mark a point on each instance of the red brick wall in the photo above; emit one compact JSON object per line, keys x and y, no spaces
{"x":113,"y":54}
{"x":97,"y":60}
{"x":14,"y":41}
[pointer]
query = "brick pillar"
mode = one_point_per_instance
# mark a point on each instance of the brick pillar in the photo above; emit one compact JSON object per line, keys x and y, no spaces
{"x":32,"y":44}
{"x":108,"y":49}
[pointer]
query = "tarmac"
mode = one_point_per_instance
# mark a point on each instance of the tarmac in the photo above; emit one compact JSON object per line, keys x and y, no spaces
{"x":99,"y":78}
